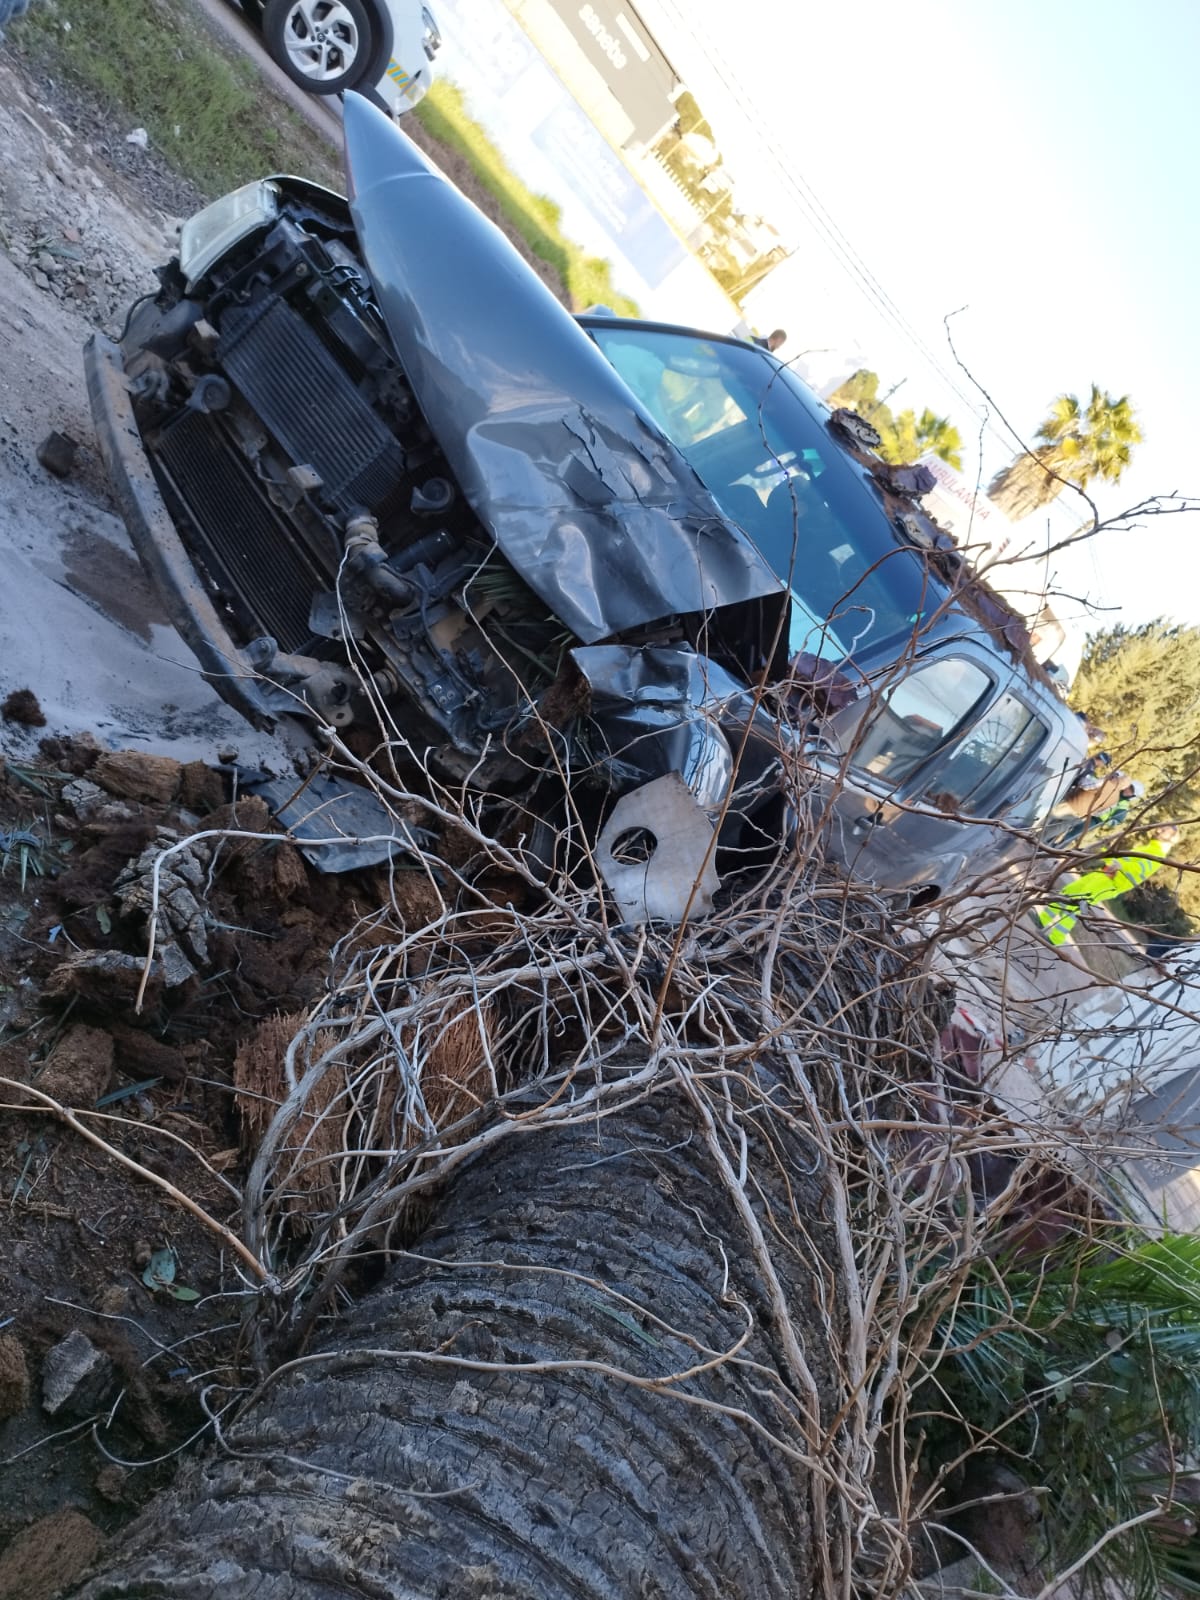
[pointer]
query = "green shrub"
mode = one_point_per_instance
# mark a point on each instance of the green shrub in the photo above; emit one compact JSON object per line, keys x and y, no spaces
{"x":1086,"y":1377}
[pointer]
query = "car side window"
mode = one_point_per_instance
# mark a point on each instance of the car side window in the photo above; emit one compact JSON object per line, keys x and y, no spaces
{"x":1037,"y":795}
{"x":916,"y":715}
{"x":981,"y":772}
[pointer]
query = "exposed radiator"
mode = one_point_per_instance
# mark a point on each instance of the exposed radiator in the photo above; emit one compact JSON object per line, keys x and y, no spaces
{"x":247,"y":549}
{"x":309,"y":404}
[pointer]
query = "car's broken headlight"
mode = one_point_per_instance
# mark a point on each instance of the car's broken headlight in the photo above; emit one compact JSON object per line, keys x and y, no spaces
{"x":205,"y":237}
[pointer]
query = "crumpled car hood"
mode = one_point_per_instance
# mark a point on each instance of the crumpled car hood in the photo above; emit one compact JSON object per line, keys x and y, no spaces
{"x":596,"y":510}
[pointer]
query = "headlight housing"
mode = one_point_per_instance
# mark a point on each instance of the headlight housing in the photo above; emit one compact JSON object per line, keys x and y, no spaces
{"x":432,"y":39}
{"x":204,"y":238}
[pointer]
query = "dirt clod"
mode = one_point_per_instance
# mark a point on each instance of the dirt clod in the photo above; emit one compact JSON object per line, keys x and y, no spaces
{"x":22,"y":706}
{"x":75,"y":1376}
{"x":78,"y":1072}
{"x":76,"y":755}
{"x":201,"y":788}
{"x":57,"y":453}
{"x":139,"y":1055}
{"x":48,"y":1555}
{"x":110,"y":1483}
{"x":107,"y":978}
{"x":14,"y":1376}
{"x":247,"y":815}
{"x":138,"y":775}
{"x":274,"y":873}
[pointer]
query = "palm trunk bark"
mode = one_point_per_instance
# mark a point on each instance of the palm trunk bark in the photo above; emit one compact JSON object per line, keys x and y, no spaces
{"x":432,"y":1447}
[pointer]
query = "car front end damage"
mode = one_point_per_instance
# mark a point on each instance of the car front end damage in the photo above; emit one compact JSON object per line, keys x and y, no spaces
{"x":387,"y":484}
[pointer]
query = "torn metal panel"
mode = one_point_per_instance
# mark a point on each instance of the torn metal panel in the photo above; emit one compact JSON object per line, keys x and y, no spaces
{"x":911,"y":481}
{"x":854,"y":430}
{"x":664,"y":708}
{"x":599,"y":513}
{"x":366,"y":832}
{"x":655,"y":853}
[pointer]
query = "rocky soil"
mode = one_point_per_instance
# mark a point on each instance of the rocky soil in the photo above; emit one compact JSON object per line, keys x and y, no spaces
{"x":119,"y":1312}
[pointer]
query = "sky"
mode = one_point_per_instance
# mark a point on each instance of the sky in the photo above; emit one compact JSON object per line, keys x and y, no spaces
{"x":1033,"y":164}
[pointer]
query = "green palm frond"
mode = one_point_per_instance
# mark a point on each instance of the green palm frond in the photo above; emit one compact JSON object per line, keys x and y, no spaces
{"x":1062,"y":420}
{"x":1088,"y":1374}
{"x":1078,"y":443}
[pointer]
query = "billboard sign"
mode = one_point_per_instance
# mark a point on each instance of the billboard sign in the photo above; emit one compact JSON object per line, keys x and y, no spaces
{"x":616,"y":42}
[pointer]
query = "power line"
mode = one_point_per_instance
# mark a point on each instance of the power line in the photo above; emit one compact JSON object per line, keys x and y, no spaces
{"x":819,"y":218}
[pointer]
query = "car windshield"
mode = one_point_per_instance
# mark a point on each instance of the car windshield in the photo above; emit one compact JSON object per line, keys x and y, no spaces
{"x":762,"y":450}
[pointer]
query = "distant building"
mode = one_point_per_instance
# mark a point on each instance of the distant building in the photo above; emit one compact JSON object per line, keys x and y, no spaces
{"x":610,"y":62}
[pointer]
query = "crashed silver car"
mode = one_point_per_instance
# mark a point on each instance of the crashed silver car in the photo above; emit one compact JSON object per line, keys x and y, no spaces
{"x":384,"y":480}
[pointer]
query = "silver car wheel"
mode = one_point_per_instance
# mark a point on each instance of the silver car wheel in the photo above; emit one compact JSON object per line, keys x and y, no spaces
{"x":322,"y":39}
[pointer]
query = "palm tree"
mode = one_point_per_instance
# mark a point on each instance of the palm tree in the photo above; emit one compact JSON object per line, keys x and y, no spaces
{"x":907,"y":437}
{"x":471,"y":1426}
{"x":1078,"y":444}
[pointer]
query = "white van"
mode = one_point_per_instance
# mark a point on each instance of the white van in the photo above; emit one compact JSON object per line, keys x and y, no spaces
{"x":384,"y":49}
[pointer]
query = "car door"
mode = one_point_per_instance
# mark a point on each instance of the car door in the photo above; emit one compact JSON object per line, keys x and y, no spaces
{"x":880,"y":824}
{"x":991,"y":775}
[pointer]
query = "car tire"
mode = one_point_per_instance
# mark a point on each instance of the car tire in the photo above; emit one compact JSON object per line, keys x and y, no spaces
{"x":322,"y":65}
{"x":377,"y":64}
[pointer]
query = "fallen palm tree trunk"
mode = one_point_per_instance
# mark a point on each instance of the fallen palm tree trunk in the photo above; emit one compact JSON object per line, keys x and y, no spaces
{"x":575,"y":1384}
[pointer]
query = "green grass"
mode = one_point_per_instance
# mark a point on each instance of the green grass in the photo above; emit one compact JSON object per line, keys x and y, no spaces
{"x":204,"y":108}
{"x":208,"y":112}
{"x":535,"y":217}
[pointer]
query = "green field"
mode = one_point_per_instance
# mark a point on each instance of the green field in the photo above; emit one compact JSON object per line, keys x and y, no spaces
{"x":588,"y":279}
{"x":202,"y":106}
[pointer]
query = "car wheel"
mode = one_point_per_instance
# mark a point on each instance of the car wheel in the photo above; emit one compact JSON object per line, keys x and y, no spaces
{"x":323,"y":45}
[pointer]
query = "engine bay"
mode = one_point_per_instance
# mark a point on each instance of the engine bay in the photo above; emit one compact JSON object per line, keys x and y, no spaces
{"x":316,"y":505}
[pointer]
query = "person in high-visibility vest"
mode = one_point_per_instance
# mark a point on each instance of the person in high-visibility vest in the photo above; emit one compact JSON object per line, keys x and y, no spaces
{"x":1114,"y":876}
{"x":1109,"y":819}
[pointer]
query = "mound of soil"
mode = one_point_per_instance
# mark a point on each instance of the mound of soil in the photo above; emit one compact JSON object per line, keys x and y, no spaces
{"x":22,"y":706}
{"x":94,"y":1249}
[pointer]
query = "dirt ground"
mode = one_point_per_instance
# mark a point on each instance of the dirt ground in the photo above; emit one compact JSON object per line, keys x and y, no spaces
{"x":119,"y":1312}
{"x":90,"y":1249}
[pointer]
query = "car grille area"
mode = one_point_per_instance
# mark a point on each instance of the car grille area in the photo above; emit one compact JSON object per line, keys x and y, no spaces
{"x":309,"y":404}
{"x":250,"y":555}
